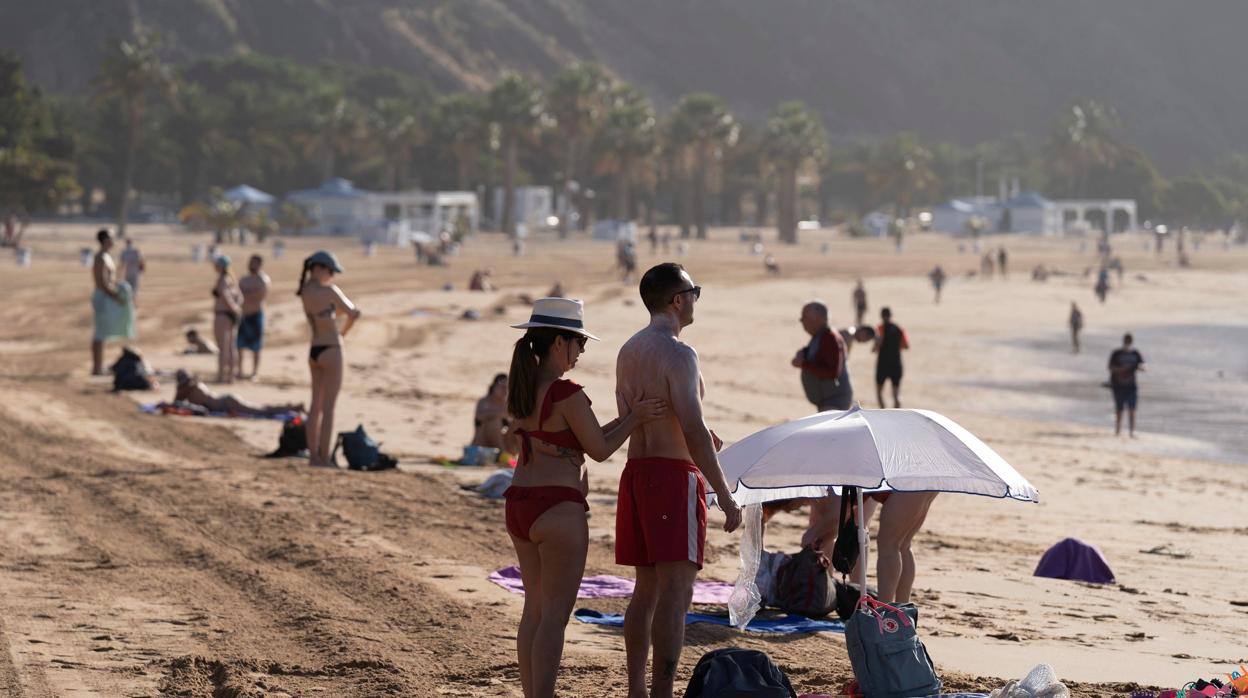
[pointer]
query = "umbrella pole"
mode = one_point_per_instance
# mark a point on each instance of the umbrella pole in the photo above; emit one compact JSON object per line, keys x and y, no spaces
{"x":863,"y":543}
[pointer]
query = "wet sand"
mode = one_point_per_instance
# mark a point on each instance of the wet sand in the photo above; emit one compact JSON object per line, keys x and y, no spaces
{"x":146,"y":555}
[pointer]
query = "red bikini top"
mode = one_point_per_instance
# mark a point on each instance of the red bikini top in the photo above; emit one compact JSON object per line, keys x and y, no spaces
{"x":558,"y":391}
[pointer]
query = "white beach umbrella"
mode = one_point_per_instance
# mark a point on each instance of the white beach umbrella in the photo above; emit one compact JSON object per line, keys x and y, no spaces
{"x":881,"y":450}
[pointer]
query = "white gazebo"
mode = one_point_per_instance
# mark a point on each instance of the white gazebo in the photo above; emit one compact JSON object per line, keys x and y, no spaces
{"x":339,"y":208}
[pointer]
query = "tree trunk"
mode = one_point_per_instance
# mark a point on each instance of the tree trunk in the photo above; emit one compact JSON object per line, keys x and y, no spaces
{"x":569,"y":164}
{"x":684,"y":208}
{"x":461,"y":171}
{"x":787,"y":205}
{"x":127,"y":174}
{"x":761,"y":213}
{"x":509,"y":187}
{"x":620,"y":194}
{"x":699,"y":194}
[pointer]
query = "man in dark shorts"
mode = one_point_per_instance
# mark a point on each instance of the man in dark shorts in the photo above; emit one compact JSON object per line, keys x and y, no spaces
{"x":824,"y":376}
{"x":890,"y":340}
{"x":1124,"y":362}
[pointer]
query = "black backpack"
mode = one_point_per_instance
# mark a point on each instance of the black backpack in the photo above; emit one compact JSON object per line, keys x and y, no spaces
{"x":293,"y":440}
{"x":803,"y":585}
{"x":129,"y":373}
{"x":361,"y":451}
{"x":733,"y":672}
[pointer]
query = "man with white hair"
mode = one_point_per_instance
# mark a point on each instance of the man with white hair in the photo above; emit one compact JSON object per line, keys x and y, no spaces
{"x":825,"y":377}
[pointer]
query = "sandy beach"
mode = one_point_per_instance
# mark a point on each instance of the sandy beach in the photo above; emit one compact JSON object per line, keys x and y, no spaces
{"x":147,"y":555}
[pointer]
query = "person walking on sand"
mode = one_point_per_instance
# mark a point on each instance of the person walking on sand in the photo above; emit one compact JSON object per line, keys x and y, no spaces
{"x":255,"y":289}
{"x":825,"y":378}
{"x":890,"y":341}
{"x":1076,"y":326}
{"x":660,"y":525}
{"x":860,"y":303}
{"x":226,"y":310}
{"x":110,"y":303}
{"x":937,"y":277}
{"x":545,"y":509}
{"x":1002,"y":258}
{"x":323,"y":304}
{"x":134,"y":265}
{"x":1124,"y":362}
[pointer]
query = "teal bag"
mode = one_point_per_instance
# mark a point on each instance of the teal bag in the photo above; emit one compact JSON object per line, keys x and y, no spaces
{"x":888,"y":658}
{"x":361,"y":451}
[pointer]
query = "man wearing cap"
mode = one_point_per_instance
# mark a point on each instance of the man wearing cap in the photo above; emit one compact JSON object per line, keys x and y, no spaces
{"x":822,"y":362}
{"x":660,"y":525}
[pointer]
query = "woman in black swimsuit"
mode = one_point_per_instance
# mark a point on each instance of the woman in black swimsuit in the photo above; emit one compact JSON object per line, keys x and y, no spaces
{"x":324,"y":303}
{"x":227,"y":308}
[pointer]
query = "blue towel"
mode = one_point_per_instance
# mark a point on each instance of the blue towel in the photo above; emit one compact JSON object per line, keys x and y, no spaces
{"x":787,"y":625}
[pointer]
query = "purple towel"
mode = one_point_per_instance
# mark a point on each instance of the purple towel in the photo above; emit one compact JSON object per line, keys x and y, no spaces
{"x":610,"y":586}
{"x":1074,"y":559}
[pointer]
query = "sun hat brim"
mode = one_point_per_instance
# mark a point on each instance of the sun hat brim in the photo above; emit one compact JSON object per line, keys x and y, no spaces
{"x":573,"y":330}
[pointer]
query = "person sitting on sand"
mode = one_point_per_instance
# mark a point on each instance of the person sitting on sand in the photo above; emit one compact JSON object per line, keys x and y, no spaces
{"x":480,"y":281}
{"x":771,"y":265}
{"x":227,"y":309}
{"x":490,"y":423}
{"x":191,"y":389}
{"x":323,"y":304}
{"x":196,"y":344}
{"x":546,"y":504}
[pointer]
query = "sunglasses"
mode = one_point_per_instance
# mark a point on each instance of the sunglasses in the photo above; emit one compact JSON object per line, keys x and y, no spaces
{"x":578,"y":338}
{"x":695,"y":290}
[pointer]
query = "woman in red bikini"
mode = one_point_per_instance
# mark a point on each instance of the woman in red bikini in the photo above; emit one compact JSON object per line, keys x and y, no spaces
{"x":546,"y":502}
{"x":323,"y":303}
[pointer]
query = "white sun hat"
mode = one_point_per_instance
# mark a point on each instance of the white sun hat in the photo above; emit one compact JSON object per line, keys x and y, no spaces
{"x":558,"y":313}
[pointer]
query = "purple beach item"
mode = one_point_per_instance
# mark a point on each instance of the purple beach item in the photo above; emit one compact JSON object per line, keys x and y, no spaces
{"x":609,"y":586}
{"x":1074,"y":559}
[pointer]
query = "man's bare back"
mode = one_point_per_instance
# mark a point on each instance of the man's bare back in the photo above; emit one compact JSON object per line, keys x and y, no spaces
{"x":647,"y":364}
{"x":255,"y":288}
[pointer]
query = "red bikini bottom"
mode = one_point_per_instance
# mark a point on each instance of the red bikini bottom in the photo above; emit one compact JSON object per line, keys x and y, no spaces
{"x":526,"y":504}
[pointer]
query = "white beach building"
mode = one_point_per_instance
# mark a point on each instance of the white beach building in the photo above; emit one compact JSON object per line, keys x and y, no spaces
{"x":339,"y":208}
{"x":1029,"y":212}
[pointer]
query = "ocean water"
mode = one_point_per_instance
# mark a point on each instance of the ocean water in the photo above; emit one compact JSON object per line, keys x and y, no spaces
{"x":1194,"y":386}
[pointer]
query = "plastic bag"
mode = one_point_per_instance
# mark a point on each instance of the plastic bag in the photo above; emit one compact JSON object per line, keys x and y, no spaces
{"x":746,"y":599}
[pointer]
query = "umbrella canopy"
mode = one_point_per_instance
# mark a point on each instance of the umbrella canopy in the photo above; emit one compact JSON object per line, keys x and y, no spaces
{"x":244,"y":194}
{"x":890,"y":450}
{"x":883,"y":450}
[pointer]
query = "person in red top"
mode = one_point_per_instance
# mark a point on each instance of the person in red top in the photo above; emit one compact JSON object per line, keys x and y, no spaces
{"x":546,"y":504}
{"x":822,"y":361}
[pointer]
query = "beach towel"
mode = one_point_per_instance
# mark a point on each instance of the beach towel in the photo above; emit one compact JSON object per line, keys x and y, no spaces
{"x":609,"y":586}
{"x":186,"y":409}
{"x":787,"y":625}
{"x":493,"y":488}
{"x":113,"y":320}
{"x":1074,"y":559}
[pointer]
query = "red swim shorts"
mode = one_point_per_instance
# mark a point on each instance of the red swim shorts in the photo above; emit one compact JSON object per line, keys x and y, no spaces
{"x":661,"y":514}
{"x":526,"y":504}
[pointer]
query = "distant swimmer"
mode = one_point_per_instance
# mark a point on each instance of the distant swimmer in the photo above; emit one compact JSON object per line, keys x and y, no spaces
{"x":1124,"y":363}
{"x":890,"y":341}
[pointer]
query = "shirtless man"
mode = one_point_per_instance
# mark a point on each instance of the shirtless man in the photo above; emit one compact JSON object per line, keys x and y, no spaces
{"x":255,"y":289}
{"x":660,"y":525}
{"x":104,"y":274}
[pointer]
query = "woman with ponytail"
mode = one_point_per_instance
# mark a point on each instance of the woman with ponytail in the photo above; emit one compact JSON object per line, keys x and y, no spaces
{"x":546,"y":502}
{"x":227,"y":308}
{"x":324,"y":303}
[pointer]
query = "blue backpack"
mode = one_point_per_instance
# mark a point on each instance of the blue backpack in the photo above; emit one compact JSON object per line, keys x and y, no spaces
{"x":361,"y":451}
{"x":888,"y":657}
{"x":733,"y":672}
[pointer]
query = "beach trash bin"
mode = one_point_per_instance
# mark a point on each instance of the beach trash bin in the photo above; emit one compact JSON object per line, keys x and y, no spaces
{"x":197,"y":253}
{"x":23,"y":256}
{"x":84,"y":256}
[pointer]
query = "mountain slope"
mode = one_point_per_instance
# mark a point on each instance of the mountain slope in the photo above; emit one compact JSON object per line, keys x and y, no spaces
{"x":949,"y":69}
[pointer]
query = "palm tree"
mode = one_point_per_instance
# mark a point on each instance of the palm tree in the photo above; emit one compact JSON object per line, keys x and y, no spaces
{"x":626,"y":141}
{"x":702,"y":121}
{"x":461,"y":122}
{"x":131,"y":74}
{"x":794,"y":140}
{"x":1083,"y":138}
{"x":218,"y":215}
{"x":396,"y":132}
{"x":516,"y":108}
{"x":292,"y":216}
{"x":575,"y":102}
{"x":901,"y":170}
{"x":336,"y":128}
